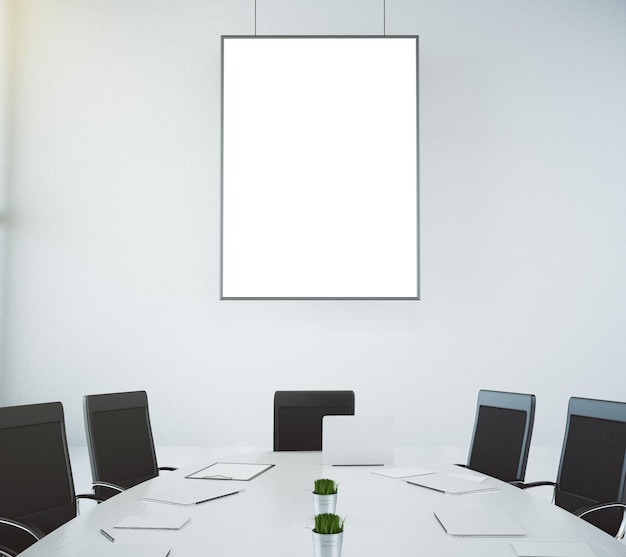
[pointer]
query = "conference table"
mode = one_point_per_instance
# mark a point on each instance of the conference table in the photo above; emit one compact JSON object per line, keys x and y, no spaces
{"x":273,"y":514}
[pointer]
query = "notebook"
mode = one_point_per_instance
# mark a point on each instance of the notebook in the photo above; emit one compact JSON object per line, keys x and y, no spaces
{"x":450,"y":485}
{"x":193,"y":494}
{"x":478,"y":523}
{"x":357,"y":440}
{"x":233,"y":471}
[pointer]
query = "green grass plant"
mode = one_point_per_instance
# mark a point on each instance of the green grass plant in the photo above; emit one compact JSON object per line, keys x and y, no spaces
{"x":325,"y":487}
{"x":327,"y":523}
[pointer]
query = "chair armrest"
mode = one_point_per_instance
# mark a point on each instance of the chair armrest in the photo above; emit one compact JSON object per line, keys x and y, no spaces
{"x":89,"y":496}
{"x":522,"y":485}
{"x":107,"y":484}
{"x":601,"y":506}
{"x":29,"y":529}
{"x":529,"y":485}
{"x":168,"y":468}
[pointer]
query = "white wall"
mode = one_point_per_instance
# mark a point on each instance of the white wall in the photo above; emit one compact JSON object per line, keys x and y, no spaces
{"x":4,"y":164}
{"x":113,"y":279}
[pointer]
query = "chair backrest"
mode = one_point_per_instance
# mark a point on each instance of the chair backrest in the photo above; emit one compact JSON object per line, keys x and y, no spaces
{"x":298,"y":417}
{"x":36,"y":485}
{"x":119,"y":439}
{"x":502,"y":433}
{"x":593,"y":460}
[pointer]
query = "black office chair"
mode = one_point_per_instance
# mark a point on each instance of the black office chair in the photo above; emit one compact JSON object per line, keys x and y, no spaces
{"x":502,"y":432}
{"x":120,"y":443}
{"x":298,"y":417}
{"x":592,"y":470}
{"x":36,"y":486}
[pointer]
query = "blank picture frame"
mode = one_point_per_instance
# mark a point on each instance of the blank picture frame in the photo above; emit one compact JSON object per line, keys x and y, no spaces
{"x":320,"y":167}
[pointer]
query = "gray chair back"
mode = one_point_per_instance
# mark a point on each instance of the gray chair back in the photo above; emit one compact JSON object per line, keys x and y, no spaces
{"x":119,"y":439}
{"x":36,"y":484}
{"x":592,"y":469}
{"x":502,"y":432}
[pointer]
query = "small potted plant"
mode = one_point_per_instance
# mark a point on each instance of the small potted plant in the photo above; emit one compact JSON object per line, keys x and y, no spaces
{"x":328,"y":535}
{"x":324,"y":496}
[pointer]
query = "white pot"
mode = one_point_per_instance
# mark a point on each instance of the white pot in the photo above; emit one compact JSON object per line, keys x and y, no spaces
{"x":327,"y":545}
{"x":324,"y":504}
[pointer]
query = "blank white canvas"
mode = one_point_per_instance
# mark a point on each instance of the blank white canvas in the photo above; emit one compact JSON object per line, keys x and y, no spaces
{"x":320,"y":167}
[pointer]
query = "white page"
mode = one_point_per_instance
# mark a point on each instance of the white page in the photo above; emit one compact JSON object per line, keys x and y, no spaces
{"x":403,"y":472}
{"x":478,"y":523}
{"x":450,"y":485}
{"x":199,"y":492}
{"x":241,"y":471}
{"x":153,"y":522}
{"x":120,"y":550}
{"x":552,"y":549}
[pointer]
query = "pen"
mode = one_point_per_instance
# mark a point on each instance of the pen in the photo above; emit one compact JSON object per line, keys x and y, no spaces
{"x":107,"y":535}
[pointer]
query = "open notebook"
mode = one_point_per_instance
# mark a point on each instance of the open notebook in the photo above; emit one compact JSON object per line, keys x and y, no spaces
{"x":357,"y":440}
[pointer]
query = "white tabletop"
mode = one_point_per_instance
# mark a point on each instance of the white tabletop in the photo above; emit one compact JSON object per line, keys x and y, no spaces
{"x":273,"y":516}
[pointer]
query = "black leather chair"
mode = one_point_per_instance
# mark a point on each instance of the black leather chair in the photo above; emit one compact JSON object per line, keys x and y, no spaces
{"x":298,"y":417}
{"x":592,"y":470}
{"x":119,"y":440}
{"x":502,"y":433}
{"x":36,"y":485}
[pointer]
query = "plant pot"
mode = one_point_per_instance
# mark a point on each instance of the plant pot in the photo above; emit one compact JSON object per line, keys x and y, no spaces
{"x":327,"y":545}
{"x":324,"y":503}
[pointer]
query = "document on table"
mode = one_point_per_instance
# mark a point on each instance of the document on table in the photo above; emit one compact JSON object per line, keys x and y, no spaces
{"x":480,"y":523}
{"x":238,"y":471}
{"x":120,"y":550}
{"x":193,"y":494}
{"x":552,"y":549}
{"x":144,"y":522}
{"x":402,"y":472}
{"x":451,"y":485}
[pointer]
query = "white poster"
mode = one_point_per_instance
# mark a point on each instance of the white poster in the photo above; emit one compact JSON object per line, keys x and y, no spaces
{"x":320,"y":167}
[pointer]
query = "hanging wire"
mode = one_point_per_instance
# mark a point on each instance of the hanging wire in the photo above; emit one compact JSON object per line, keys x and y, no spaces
{"x":384,"y":17}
